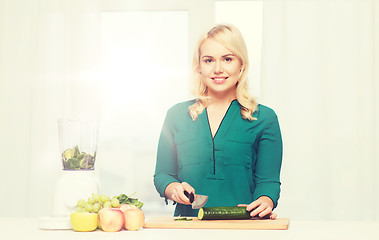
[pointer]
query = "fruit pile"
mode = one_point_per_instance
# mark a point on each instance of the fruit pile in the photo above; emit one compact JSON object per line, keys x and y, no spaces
{"x":108,"y":214}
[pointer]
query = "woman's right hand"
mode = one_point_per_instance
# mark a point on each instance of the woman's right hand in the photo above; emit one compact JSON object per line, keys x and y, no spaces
{"x":175,"y":192}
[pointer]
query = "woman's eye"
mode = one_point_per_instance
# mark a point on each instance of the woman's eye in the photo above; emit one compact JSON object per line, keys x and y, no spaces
{"x":209,"y":60}
{"x":228,"y":59}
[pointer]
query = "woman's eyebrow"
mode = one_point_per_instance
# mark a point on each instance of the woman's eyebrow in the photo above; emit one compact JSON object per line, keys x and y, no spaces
{"x":228,"y":55}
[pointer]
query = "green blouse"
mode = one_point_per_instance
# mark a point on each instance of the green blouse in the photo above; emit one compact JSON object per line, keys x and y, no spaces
{"x":241,"y":163}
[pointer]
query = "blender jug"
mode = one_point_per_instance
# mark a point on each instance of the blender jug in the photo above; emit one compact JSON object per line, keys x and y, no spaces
{"x":78,"y":145}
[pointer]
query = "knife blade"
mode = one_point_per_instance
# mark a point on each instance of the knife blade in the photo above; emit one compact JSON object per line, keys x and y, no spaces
{"x":197,"y":203}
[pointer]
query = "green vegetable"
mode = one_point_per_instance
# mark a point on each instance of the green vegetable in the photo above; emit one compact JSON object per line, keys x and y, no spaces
{"x":183,"y":219}
{"x":218,"y":213}
{"x":73,"y":159}
{"x":124,"y":199}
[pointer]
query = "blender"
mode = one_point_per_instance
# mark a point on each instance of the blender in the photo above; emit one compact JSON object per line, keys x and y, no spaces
{"x":78,"y":145}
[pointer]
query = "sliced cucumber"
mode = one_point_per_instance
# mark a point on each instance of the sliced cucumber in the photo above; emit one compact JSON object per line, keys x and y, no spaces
{"x":219,"y":213}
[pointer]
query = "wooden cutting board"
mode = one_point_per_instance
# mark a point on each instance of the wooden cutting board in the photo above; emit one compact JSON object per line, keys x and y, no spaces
{"x":254,"y":223}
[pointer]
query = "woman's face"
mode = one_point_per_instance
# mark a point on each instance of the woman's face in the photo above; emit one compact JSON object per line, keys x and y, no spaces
{"x":219,"y":69}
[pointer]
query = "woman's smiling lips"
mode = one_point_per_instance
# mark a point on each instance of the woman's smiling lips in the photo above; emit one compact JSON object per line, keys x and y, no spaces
{"x":219,"y":80}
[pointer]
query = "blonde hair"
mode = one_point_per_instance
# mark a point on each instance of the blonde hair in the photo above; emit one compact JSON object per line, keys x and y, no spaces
{"x":230,"y":37}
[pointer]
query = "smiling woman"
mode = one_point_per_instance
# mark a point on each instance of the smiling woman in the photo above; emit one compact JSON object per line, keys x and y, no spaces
{"x":194,"y":152}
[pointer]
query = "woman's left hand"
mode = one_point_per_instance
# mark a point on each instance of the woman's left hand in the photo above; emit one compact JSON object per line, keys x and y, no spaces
{"x":262,"y":207}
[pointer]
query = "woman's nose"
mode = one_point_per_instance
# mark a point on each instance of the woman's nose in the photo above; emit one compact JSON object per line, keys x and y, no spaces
{"x":218,"y":67}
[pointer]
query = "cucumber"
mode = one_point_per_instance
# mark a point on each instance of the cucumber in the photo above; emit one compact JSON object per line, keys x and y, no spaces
{"x":223,"y":213}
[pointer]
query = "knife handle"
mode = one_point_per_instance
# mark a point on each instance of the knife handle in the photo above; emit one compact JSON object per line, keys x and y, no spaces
{"x":191,"y":197}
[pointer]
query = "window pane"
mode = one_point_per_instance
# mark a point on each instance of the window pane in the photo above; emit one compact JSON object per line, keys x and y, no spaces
{"x":145,"y":71}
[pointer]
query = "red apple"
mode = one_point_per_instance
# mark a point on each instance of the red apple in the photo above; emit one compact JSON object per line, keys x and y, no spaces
{"x":111,"y":219}
{"x":124,"y":207}
{"x":134,"y":219}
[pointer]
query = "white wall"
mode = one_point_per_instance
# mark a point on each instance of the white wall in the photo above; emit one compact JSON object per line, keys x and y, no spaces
{"x":316,"y":67}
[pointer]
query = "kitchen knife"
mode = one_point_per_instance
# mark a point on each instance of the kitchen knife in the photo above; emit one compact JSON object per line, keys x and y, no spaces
{"x":197,"y":203}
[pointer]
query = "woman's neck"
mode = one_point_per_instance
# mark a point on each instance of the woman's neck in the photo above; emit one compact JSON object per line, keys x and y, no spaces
{"x":221,"y":98}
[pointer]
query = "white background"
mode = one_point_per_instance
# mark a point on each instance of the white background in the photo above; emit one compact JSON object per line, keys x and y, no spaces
{"x":126,"y":62}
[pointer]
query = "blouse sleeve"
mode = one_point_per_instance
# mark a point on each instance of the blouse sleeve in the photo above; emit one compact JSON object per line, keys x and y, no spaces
{"x":269,"y":161}
{"x":166,"y":169}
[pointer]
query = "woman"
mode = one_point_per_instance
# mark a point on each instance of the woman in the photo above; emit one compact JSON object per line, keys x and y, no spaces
{"x":223,"y":144}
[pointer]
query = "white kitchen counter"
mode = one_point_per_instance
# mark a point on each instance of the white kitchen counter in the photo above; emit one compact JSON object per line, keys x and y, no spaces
{"x":27,"y":228}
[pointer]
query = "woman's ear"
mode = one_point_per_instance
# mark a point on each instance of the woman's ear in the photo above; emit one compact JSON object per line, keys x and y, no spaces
{"x":239,"y":76}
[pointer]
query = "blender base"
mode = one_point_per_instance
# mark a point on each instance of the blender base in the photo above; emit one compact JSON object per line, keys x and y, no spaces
{"x":70,"y":187}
